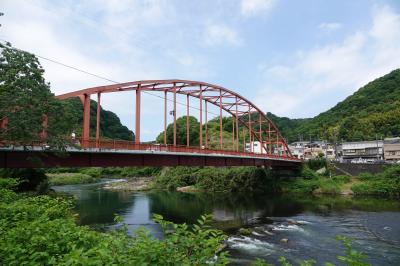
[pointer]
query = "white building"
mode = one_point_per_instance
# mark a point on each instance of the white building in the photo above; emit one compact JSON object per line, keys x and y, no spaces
{"x":254,"y":146}
{"x":297,"y":148}
{"x":306,"y":150}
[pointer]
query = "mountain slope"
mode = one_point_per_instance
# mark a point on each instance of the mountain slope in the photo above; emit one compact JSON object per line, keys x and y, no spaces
{"x":110,"y":124}
{"x":374,"y":110}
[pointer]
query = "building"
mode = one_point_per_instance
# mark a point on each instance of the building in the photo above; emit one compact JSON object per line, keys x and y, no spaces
{"x":391,"y":147}
{"x":362,"y":151}
{"x":311,"y":150}
{"x":297,"y":148}
{"x":254,"y":146}
{"x":313,"y":153}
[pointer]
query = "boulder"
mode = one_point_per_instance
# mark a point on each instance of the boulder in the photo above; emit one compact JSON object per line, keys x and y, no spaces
{"x":284,"y":240}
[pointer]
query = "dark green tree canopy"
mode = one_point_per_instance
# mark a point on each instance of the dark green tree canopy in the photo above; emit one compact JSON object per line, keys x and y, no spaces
{"x":194,"y":130}
{"x":26,"y":99}
{"x":110,"y":124}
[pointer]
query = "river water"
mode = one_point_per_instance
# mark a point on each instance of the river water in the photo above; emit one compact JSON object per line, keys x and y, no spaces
{"x":310,"y":224}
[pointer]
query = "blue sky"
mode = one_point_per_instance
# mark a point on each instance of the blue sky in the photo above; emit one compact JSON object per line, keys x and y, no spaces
{"x":292,"y":58}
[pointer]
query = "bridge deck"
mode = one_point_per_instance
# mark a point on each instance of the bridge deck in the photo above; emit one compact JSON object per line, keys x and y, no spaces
{"x":145,"y":155}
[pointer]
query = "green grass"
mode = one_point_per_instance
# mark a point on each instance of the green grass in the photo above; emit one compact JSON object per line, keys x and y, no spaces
{"x":386,"y":183}
{"x":311,"y":182}
{"x":70,"y":178}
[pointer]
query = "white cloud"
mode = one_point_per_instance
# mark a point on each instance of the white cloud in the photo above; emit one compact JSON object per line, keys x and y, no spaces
{"x":330,"y":26}
{"x":255,"y":7}
{"x":217,"y":34}
{"x":319,"y":76}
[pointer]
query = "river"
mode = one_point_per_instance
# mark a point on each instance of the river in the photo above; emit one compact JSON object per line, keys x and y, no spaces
{"x":310,"y":224}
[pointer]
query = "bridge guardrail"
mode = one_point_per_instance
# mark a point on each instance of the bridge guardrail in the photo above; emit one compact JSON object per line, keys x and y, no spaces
{"x":107,"y":144}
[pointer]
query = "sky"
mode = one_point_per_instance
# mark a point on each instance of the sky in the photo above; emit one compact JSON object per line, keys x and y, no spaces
{"x":291,"y":58}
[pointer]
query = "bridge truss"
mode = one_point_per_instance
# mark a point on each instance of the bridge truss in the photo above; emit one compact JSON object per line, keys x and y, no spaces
{"x":256,"y":125}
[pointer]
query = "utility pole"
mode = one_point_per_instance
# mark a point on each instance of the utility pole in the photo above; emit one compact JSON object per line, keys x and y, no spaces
{"x":377,"y":147}
{"x":334,"y":142}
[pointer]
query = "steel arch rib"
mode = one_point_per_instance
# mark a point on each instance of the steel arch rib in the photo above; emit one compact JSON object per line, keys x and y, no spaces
{"x":168,"y":85}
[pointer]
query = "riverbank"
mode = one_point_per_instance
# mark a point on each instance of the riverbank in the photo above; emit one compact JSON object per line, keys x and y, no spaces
{"x":131,"y":184}
{"x":384,"y":184}
{"x":70,"y":176}
{"x":70,"y":179}
{"x":308,"y":180}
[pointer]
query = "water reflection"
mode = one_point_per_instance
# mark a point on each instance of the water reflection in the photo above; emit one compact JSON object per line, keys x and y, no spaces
{"x":373,"y":223}
{"x":96,"y":205}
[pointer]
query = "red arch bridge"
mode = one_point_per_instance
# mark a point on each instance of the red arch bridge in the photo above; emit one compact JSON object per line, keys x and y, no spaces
{"x":256,"y":129}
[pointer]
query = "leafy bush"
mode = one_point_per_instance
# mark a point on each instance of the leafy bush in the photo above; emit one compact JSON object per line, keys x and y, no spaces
{"x":139,"y":171}
{"x":352,"y":257}
{"x":29,"y":179}
{"x":386,"y":183}
{"x":329,"y":186}
{"x":307,"y":173}
{"x":300,"y":185}
{"x":42,"y":231}
{"x":214,"y":179}
{"x":366,"y":176}
{"x":343,"y":179}
{"x":95,"y":172}
{"x":174,"y":177}
{"x":316,"y":164}
{"x":313,"y":182}
{"x":8,"y":183}
{"x":70,"y":178}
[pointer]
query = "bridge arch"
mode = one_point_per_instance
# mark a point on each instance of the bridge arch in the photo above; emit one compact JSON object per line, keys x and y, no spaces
{"x":242,"y":110}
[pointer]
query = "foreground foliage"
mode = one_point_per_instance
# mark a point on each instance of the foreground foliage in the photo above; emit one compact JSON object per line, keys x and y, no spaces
{"x":42,"y":231}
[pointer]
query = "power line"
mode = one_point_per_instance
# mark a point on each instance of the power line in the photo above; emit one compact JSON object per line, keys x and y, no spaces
{"x":97,"y":76}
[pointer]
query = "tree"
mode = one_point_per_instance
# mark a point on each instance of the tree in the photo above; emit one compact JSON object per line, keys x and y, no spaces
{"x":194,"y":129}
{"x":26,"y":102}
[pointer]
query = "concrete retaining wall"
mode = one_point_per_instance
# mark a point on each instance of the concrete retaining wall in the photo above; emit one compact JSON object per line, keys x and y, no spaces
{"x":356,"y":169}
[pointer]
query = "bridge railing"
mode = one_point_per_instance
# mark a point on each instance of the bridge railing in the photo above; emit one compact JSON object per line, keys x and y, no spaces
{"x":107,"y":144}
{"x":124,"y":145}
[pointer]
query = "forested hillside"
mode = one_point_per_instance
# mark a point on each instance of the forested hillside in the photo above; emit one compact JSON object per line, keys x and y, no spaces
{"x":374,"y":110}
{"x":110,"y":124}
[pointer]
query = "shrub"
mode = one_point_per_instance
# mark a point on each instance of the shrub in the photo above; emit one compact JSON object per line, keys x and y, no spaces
{"x":42,"y":231}
{"x":342,"y":179}
{"x":70,"y":179}
{"x":300,"y":185}
{"x":307,"y":173}
{"x":91,"y":171}
{"x":139,"y":171}
{"x":386,"y":183}
{"x":28,"y":179}
{"x":329,"y":186}
{"x":171,"y":178}
{"x":366,"y":176}
{"x":316,"y":164}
